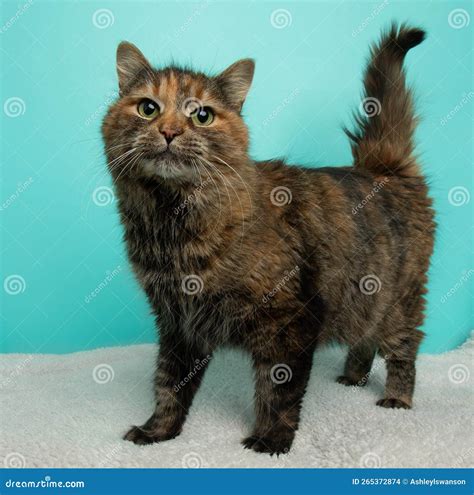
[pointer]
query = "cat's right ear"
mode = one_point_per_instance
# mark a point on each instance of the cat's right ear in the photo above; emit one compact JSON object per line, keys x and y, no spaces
{"x":131,"y":63}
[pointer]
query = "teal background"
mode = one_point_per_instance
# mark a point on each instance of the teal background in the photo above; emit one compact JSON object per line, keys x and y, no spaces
{"x":63,"y":245}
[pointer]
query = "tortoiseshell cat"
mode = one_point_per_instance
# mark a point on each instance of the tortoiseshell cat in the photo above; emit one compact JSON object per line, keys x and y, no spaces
{"x":269,"y":257}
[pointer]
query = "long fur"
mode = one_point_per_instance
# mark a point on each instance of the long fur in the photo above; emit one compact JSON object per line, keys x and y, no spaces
{"x":272,"y":258}
{"x":383,"y":139}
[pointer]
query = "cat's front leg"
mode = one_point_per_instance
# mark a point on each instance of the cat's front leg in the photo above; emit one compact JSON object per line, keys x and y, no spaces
{"x":178,"y":376}
{"x":281,"y":382}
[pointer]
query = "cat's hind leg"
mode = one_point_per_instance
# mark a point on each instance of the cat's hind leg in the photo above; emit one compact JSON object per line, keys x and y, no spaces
{"x":358,"y":364}
{"x":399,"y":346}
{"x":401,"y":372}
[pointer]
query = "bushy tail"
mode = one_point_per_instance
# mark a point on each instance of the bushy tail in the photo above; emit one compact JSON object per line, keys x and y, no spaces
{"x":383,"y":139}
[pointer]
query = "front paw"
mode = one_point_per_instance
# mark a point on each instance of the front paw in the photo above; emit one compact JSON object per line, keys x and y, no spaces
{"x":393,"y":404}
{"x":140,"y":436}
{"x":350,"y":382}
{"x":274,"y":444}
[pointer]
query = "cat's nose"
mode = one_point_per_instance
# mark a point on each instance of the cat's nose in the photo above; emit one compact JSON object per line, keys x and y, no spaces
{"x":170,"y":132}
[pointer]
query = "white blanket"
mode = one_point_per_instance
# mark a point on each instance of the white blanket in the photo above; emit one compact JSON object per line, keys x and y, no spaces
{"x":71,"y":411}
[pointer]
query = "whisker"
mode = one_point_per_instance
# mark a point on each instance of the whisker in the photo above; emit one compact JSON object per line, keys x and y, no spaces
{"x":236,"y":194}
{"x":217,"y":188}
{"x":128,"y":167}
{"x":240,"y":177}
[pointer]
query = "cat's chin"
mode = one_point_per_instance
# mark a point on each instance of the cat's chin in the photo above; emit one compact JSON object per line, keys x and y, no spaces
{"x":168,"y":168}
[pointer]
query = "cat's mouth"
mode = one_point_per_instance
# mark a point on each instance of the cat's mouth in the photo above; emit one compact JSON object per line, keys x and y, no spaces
{"x":167,"y":164}
{"x":162,"y":153}
{"x":166,"y":153}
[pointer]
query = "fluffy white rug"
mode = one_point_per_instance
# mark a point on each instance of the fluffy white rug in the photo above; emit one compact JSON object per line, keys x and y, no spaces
{"x":71,"y":411}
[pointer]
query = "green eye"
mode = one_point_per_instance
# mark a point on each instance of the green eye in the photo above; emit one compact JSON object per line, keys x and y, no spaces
{"x":148,"y":109}
{"x":203,"y":116}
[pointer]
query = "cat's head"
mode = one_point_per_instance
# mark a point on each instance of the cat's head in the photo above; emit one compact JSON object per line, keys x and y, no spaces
{"x":173,"y":123}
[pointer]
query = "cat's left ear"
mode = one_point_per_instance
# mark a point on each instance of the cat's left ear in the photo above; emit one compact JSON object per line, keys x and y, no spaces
{"x":235,"y":82}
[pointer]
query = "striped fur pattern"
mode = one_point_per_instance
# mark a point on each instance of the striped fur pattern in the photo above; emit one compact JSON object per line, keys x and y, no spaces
{"x":272,"y":258}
